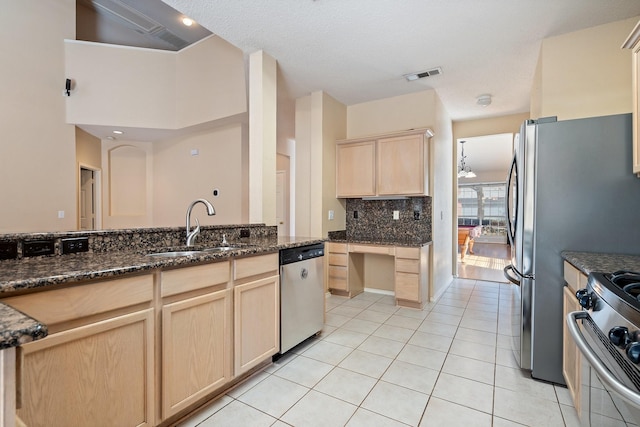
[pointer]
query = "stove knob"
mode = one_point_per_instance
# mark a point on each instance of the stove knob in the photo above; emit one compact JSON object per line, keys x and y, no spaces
{"x":633,"y":352}
{"x":585,"y":298}
{"x":619,"y":336}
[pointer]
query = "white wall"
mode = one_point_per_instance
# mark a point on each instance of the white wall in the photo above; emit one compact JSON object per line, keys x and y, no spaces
{"x":37,"y":153}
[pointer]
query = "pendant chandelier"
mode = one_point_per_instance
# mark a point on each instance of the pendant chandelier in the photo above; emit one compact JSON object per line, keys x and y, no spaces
{"x":464,"y":171}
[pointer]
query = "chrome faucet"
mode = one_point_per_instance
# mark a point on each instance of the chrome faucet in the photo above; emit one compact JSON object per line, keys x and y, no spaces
{"x":224,"y":240}
{"x":192,"y":234}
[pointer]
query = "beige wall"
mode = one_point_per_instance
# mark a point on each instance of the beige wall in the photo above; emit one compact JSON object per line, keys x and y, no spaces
{"x":149,"y":88}
{"x":262,"y":138}
{"x":421,"y":109}
{"x":442,"y":163}
{"x":489,"y":126}
{"x":585,"y":73}
{"x":179,"y":178}
{"x":391,"y":114}
{"x":320,"y":120}
{"x":37,"y":153}
{"x":334,"y":127}
{"x":88,"y":152}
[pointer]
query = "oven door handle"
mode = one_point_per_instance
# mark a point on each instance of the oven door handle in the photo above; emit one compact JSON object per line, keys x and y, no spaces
{"x":603,"y":373}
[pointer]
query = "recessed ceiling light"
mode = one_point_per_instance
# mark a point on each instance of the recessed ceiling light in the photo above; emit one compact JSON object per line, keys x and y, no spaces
{"x":118,"y":132}
{"x":110,"y":138}
{"x":187,"y":21}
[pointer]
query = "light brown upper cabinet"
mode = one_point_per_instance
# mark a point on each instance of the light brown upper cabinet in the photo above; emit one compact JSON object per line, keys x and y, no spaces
{"x":633,"y":43}
{"x":387,"y":165}
{"x":356,"y":169}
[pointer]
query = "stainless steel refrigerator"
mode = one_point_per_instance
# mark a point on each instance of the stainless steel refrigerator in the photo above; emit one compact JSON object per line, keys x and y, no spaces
{"x":571,"y":187}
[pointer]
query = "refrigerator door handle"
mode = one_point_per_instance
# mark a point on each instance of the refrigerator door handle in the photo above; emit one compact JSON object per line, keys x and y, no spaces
{"x":511,"y":227}
{"x":509,"y":276}
{"x":515,"y":280}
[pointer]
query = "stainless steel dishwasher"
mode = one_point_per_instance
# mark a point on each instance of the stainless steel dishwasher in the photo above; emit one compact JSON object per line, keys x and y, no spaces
{"x":301,"y":294}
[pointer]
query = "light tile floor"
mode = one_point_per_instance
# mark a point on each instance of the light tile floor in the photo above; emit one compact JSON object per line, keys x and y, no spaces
{"x":376,"y":364}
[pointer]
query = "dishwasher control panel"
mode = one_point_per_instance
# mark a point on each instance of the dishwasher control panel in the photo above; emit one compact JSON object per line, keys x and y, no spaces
{"x":288,"y":256}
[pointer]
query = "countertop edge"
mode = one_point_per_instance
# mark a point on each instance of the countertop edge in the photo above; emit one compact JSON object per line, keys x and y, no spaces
{"x":590,"y":262}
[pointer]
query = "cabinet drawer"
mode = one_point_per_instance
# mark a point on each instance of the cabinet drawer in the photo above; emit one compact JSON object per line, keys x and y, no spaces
{"x":371,"y":249}
{"x":191,"y":278}
{"x":338,"y":259}
{"x":408,"y":286}
{"x":408,"y":265}
{"x":61,"y":305}
{"x":574,"y":277}
{"x":337,"y":277}
{"x":252,"y":266}
{"x":404,"y":252}
{"x":337,"y":247}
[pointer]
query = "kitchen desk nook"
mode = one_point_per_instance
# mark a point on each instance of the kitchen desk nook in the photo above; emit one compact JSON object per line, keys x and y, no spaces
{"x":411,"y":278}
{"x":141,"y":331}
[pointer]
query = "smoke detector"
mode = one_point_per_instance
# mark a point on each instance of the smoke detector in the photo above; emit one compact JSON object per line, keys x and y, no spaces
{"x":483,"y":100}
{"x":422,"y":74}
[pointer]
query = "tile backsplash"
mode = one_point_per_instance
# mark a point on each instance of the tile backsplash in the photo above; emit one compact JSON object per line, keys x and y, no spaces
{"x":374,"y":219}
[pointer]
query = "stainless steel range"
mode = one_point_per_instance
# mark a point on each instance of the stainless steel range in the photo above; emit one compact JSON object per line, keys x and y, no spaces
{"x":607,"y":332}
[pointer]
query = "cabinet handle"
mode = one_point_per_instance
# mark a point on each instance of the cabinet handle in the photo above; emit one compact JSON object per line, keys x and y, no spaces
{"x":19,"y":376}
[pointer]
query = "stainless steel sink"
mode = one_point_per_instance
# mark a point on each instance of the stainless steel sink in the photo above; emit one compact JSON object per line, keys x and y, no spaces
{"x":222,"y":248}
{"x":174,"y":254}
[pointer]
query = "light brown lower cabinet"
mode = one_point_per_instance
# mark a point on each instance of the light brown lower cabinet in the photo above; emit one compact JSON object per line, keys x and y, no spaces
{"x":256,"y":322}
{"x":196,"y":349}
{"x":571,"y":356}
{"x":143,"y":350}
{"x":96,"y":367}
{"x":100,"y":374}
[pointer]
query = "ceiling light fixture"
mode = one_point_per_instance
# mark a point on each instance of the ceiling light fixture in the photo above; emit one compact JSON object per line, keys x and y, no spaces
{"x":187,"y":21}
{"x":118,"y":132}
{"x":483,"y":100}
{"x":464,"y":171}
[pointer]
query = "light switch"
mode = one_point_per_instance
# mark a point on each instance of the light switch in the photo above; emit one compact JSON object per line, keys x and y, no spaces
{"x":330,"y":215}
{"x":60,"y":214}
{"x":396,"y":214}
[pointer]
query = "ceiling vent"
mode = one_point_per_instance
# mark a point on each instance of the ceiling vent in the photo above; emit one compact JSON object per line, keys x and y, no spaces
{"x":428,"y":73}
{"x":126,"y":13}
{"x":138,"y":21}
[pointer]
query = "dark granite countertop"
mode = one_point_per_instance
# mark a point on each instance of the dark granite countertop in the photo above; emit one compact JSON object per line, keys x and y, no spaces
{"x":38,"y":273}
{"x":589,"y":262}
{"x":391,"y":242}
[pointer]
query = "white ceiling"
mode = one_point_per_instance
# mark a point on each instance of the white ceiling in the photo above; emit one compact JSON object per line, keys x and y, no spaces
{"x":359,"y":50}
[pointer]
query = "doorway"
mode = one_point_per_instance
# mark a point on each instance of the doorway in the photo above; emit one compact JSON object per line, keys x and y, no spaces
{"x":482,"y":248}
{"x":89,"y":199}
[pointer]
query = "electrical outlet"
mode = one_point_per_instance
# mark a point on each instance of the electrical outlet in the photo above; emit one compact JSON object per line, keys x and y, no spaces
{"x":245,"y":233}
{"x":8,"y":250}
{"x":416,"y":215}
{"x":38,"y":247}
{"x":330,"y":215}
{"x":396,"y":214}
{"x":75,"y":245}
{"x":355,"y":214}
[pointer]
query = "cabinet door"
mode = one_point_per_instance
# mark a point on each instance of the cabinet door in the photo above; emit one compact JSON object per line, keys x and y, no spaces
{"x":100,"y":374}
{"x":355,"y":169}
{"x":196,"y":349}
{"x":571,"y":357}
{"x":402,"y":166}
{"x":256,"y":322}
